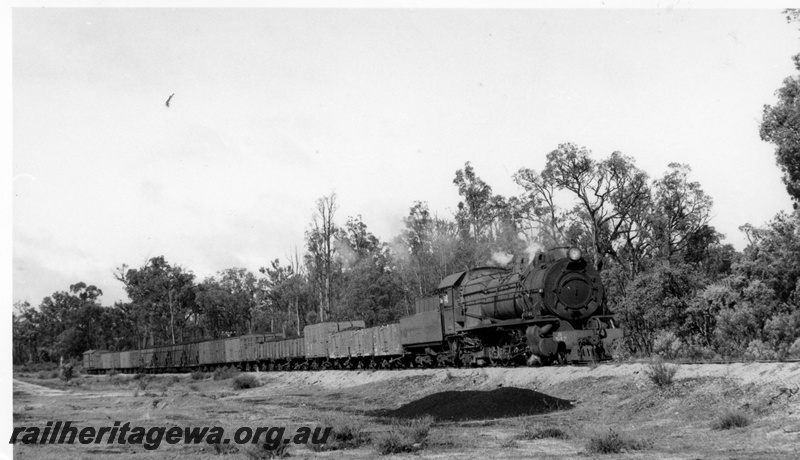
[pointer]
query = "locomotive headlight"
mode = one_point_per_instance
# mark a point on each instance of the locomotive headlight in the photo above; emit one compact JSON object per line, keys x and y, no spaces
{"x":574,"y":254}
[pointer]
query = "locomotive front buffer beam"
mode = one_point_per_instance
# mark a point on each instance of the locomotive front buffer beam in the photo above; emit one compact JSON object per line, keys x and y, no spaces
{"x":549,"y":344}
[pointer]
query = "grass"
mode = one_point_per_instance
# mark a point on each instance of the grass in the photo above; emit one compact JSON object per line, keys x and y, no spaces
{"x":406,"y":436}
{"x":225,"y":373}
{"x":613,"y":443}
{"x":43,"y":375}
{"x":36,"y":367}
{"x":245,"y":381}
{"x":661,"y":374}
{"x":263,"y":452}
{"x":730,"y":420}
{"x":224,"y":449}
{"x":508,"y":443}
{"x":142,"y":380}
{"x":544,"y":433}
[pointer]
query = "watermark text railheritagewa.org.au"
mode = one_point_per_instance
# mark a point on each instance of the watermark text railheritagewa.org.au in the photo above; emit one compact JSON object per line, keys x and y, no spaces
{"x":151,"y":438}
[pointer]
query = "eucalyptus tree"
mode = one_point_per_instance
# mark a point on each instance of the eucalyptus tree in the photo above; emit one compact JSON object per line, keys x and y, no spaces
{"x":162,"y":299}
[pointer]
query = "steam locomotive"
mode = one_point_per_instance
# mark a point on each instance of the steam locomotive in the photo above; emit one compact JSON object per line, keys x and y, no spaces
{"x":547,"y":310}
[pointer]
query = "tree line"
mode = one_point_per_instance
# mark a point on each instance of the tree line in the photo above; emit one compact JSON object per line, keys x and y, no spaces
{"x":673,"y":283}
{"x":671,"y":280}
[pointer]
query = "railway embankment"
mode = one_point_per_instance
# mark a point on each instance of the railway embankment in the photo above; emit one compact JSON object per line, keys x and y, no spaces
{"x":742,"y":410}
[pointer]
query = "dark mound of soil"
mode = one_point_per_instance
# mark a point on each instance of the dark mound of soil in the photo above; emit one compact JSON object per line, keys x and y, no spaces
{"x":480,"y":405}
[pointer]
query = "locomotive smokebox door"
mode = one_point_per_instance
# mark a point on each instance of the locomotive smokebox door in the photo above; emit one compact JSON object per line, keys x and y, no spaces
{"x":572,"y":290}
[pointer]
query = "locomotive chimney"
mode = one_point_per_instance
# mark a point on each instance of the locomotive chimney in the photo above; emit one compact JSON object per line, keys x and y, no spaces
{"x":523,"y":262}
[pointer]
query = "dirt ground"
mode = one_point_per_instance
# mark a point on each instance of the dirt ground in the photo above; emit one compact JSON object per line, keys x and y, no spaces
{"x":672,"y":422}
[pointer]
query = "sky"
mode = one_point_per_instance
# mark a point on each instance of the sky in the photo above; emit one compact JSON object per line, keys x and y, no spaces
{"x":275,"y":108}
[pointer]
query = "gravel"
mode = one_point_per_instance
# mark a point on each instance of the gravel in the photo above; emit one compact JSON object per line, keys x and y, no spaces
{"x":481,"y":405}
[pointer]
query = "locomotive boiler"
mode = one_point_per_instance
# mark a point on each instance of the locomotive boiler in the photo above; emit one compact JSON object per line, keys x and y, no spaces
{"x":549,"y":309}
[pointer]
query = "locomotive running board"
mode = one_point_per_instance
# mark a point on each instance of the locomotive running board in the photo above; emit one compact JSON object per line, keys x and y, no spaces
{"x":512,"y":322}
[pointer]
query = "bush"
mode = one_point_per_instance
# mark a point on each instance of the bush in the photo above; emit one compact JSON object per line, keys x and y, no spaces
{"x":347,"y":433}
{"x":198,"y":375}
{"x":621,"y":350}
{"x":758,"y":350}
{"x":794,"y":350}
{"x":731,"y":420}
{"x":66,"y":372}
{"x":613,"y":443}
{"x":407,"y":436}
{"x":660,"y":373}
{"x":667,"y":345}
{"x":696,"y":353}
{"x":225,"y":373}
{"x":243,"y":382}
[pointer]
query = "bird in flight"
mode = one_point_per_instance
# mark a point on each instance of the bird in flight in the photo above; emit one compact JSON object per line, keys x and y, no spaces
{"x":169,"y":98}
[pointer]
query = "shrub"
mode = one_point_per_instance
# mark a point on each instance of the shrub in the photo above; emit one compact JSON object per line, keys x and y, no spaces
{"x":794,"y":350}
{"x":621,"y":350}
{"x":667,"y":345}
{"x":198,"y":375}
{"x":731,"y":420}
{"x":407,"y":436}
{"x":225,"y":373}
{"x":66,"y":372}
{"x":660,"y":373}
{"x":758,"y":350}
{"x":613,"y":443}
{"x":243,"y":382}
{"x":347,"y":433}
{"x":696,"y":353}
